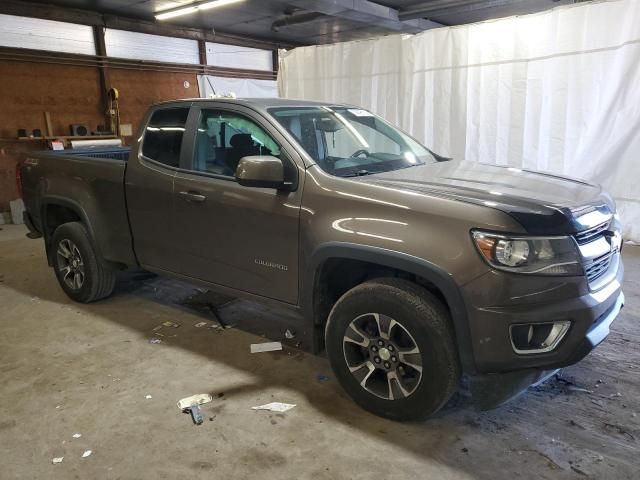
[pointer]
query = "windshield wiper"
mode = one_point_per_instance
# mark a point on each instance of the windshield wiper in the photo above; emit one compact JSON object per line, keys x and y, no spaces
{"x":359,"y":173}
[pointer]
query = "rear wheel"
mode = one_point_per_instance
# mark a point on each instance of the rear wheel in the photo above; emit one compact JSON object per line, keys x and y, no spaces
{"x":391,"y":346}
{"x":77,"y":267}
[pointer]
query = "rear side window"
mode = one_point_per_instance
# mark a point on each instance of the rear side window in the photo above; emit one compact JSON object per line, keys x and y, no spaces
{"x":163,"y":136}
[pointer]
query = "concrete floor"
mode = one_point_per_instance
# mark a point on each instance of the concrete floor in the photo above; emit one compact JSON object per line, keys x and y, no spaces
{"x":67,"y":368}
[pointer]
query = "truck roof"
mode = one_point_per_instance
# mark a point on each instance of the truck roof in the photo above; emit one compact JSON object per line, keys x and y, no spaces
{"x":258,"y":102}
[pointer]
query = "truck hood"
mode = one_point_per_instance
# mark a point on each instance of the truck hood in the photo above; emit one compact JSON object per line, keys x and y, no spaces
{"x":542,"y":203}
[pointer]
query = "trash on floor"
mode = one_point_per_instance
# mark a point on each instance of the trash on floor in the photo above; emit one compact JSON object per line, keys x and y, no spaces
{"x":275,"y":407}
{"x":86,"y":453}
{"x":148,"y":397}
{"x":155,"y":340}
{"x":199,"y":399}
{"x":289,"y":334}
{"x":155,"y":329}
{"x":57,"y":460}
{"x":265,"y":347}
{"x":573,"y":388}
{"x":170,"y":324}
{"x":196,"y":414}
{"x":200,"y":324}
{"x":192,"y":405}
{"x":77,"y":435}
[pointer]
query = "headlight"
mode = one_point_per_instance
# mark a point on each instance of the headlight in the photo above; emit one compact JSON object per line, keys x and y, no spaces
{"x":532,"y":255}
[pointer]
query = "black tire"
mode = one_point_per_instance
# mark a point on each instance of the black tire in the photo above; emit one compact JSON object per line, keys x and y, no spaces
{"x":423,"y":320}
{"x":97,"y":281}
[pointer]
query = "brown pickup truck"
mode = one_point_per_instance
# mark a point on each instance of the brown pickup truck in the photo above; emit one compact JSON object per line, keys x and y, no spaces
{"x":412,"y":268}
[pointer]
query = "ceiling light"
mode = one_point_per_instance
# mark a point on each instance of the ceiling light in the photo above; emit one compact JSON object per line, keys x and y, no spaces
{"x":176,"y":12}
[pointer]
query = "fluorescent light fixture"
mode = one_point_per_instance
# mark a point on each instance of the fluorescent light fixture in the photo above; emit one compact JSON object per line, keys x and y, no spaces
{"x":176,"y":12}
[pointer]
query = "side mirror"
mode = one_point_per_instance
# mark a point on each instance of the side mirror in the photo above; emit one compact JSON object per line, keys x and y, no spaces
{"x":263,"y":171}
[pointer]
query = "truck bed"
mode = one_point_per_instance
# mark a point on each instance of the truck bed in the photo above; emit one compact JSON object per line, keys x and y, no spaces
{"x":110,"y":153}
{"x":87,"y":183}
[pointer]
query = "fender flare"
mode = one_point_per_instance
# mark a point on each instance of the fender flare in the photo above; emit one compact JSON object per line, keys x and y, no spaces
{"x":72,"y":205}
{"x":400,"y":261}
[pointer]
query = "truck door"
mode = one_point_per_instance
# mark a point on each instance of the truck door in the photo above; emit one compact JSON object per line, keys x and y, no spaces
{"x":149,"y":186}
{"x":240,"y":237}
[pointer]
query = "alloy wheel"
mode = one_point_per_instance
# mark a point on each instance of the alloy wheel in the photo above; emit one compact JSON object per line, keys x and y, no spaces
{"x":382,"y":356}
{"x":70,"y":264}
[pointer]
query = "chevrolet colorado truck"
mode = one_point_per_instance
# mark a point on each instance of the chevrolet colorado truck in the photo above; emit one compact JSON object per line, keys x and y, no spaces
{"x":412,"y":268}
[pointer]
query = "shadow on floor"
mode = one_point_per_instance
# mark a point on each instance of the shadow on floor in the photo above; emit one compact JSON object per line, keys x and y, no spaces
{"x":541,"y":413}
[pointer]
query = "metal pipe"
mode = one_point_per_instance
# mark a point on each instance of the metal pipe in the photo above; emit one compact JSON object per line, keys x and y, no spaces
{"x":296,"y":19}
{"x":451,"y":7}
{"x":37,"y":56}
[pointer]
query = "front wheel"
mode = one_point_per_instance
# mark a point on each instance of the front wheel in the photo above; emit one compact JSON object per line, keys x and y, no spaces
{"x":78,"y":269}
{"x":391,"y":346}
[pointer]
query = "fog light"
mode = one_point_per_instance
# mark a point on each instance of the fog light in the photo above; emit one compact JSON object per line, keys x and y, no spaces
{"x":528,"y":338}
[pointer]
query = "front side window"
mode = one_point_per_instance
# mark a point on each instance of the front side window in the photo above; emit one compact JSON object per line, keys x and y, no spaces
{"x":349,"y":141}
{"x":163,"y":136}
{"x":223,"y":138}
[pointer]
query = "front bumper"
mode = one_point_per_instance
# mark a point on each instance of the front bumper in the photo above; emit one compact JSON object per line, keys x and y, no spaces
{"x":498,"y":300}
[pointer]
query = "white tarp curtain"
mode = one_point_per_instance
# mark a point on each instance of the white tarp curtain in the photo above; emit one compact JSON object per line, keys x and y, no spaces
{"x":241,"y":87}
{"x":556,"y":91}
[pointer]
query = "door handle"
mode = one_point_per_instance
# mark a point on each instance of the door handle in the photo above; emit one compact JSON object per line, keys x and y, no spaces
{"x":193,"y":197}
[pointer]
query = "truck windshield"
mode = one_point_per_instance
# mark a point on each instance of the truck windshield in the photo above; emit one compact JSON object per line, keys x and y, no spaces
{"x":350,"y":141}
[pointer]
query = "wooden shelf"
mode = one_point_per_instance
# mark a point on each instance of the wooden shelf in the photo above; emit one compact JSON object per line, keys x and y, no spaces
{"x":65,"y":137}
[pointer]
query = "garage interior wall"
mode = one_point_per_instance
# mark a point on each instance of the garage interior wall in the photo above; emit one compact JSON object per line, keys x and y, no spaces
{"x":555,"y":91}
{"x":72,"y":94}
{"x":234,"y":56}
{"x":240,"y":87}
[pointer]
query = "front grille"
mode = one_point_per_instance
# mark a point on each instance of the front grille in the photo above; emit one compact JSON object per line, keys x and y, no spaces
{"x":593,"y":233}
{"x":598,"y":267}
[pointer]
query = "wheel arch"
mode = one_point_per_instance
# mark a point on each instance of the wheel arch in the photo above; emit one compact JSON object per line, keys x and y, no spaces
{"x":74,"y":211}
{"x":380,"y":261}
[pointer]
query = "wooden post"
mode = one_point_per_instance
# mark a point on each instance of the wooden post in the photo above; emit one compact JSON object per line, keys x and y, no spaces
{"x":202,"y":52}
{"x":276,"y":62}
{"x":105,"y":82}
{"x":47,"y":123}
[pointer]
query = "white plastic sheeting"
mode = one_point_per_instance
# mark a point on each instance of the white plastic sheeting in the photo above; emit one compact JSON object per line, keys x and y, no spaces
{"x":232,"y":56}
{"x":144,"y":46}
{"x":557,"y":91}
{"x":38,"y":34}
{"x":241,"y":87}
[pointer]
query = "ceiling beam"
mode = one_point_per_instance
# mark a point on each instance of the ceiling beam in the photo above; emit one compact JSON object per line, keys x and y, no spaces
{"x":434,"y":9}
{"x":366,"y":12}
{"x":89,"y":17}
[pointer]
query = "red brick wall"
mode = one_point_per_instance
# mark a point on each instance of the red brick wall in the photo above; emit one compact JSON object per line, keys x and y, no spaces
{"x":140,"y":89}
{"x":71,"y":94}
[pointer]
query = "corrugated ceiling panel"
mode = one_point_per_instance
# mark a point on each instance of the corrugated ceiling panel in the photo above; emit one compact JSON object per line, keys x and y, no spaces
{"x":38,"y":34}
{"x":232,"y":56}
{"x":143,"y":46}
